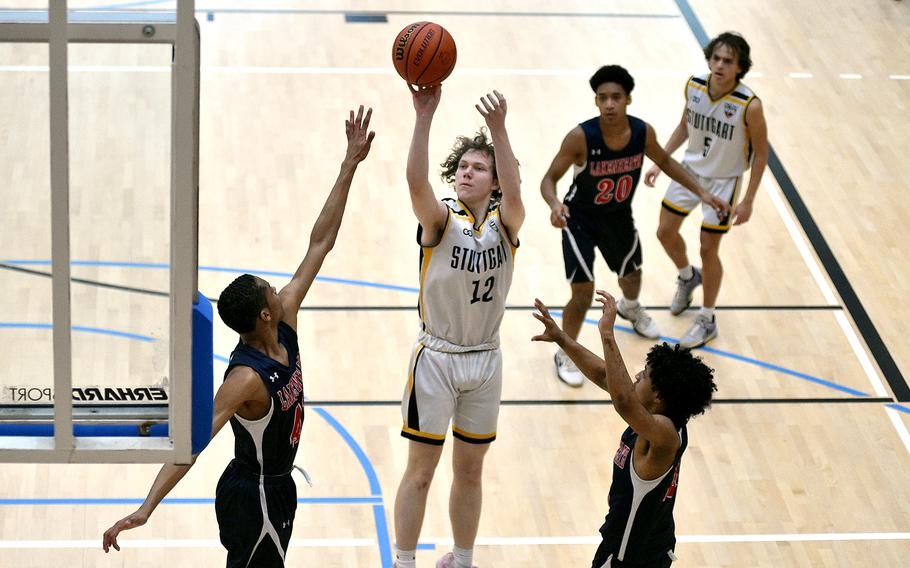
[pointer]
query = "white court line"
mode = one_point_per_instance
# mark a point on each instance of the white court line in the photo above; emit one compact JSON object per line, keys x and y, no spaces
{"x":482,"y":541}
{"x":694,"y":538}
{"x":899,"y":425}
{"x":466,"y":71}
{"x":802,"y":246}
{"x":181,"y":543}
{"x":471,"y":72}
{"x":813,"y":265}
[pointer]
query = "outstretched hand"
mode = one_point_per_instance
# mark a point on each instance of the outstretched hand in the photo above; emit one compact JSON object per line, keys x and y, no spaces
{"x":493,"y":109}
{"x":605,"y":325}
{"x":357,"y":129}
{"x":551,"y":331}
{"x":137,"y":519}
{"x":426,"y":98}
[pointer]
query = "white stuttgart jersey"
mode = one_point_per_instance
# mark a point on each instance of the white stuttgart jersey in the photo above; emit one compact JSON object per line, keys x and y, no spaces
{"x":464,"y":281}
{"x":719,"y":144}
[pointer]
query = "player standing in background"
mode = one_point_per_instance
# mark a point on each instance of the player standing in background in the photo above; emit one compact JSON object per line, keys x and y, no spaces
{"x":725,"y":125}
{"x":607,"y":152}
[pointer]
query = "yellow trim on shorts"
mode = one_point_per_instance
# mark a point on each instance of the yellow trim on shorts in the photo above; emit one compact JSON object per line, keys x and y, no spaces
{"x":420,"y":347}
{"x":736,"y":187}
{"x":461,"y":432}
{"x":675,"y":207}
{"x":419,"y":434}
{"x":427,"y":255}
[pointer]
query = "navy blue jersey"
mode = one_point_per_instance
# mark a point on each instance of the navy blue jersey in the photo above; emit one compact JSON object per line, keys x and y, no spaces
{"x":639,"y":527}
{"x":607,"y":180}
{"x":268,"y":446}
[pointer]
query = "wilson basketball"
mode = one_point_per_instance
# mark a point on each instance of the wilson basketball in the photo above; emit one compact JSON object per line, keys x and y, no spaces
{"x":424,"y":53}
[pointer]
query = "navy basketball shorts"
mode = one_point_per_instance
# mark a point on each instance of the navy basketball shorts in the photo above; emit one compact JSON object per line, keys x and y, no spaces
{"x":614,"y":234}
{"x":254,"y":531}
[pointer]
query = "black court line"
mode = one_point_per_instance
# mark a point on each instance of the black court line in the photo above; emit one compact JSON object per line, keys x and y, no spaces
{"x":866,"y":327}
{"x":606,"y":402}
{"x":385,"y":308}
{"x":87,"y":282}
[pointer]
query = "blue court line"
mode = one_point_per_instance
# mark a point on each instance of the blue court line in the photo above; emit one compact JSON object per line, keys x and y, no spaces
{"x":122,"y":5}
{"x":163,"y":266}
{"x":382,"y":531}
{"x":182,"y":501}
{"x":899,"y":407}
{"x":691,"y":19}
{"x":743,"y":359}
{"x":80,"y":328}
{"x":426,"y":546}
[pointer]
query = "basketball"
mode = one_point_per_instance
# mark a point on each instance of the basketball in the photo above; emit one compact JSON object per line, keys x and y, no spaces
{"x":424,"y":53}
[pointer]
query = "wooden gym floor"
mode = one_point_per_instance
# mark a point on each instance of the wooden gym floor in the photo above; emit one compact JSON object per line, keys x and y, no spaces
{"x":802,"y":461}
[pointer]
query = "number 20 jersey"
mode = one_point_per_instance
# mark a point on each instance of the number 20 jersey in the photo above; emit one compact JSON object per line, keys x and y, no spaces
{"x":464,"y":281}
{"x":719,"y":145}
{"x":608,"y":178}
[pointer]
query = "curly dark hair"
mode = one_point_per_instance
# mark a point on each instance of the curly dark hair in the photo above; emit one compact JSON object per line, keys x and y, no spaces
{"x":240,"y":303}
{"x":462,"y":145}
{"x":740,"y":47}
{"x":612,"y":74}
{"x":682,"y":381}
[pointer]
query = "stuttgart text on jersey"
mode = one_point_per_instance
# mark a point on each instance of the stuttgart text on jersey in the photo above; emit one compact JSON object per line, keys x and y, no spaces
{"x":710,"y":124}
{"x":478,"y":261}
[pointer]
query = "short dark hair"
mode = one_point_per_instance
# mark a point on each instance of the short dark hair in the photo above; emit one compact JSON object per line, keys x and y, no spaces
{"x":682,"y":381}
{"x":740,"y":47}
{"x":240,"y":303}
{"x":462,"y":146}
{"x":612,"y":74}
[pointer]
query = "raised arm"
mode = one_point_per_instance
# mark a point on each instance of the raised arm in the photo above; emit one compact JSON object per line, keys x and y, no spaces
{"x":572,"y":151}
{"x":240,"y":386}
{"x":325,"y":230}
{"x":680,"y":135}
{"x":430,"y":212}
{"x":512,"y":211}
{"x":655,"y":428}
{"x":663,"y":160}
{"x":758,"y":138}
{"x":587,"y":362}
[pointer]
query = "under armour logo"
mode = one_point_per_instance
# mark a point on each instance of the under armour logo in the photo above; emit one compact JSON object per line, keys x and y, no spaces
{"x":274,"y":377}
{"x":285,"y":524}
{"x":595,"y":152}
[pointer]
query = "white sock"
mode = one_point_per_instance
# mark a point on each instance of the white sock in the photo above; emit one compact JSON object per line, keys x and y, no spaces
{"x":463,"y":557}
{"x":405,"y":558}
{"x":686,"y":273}
{"x":631,"y":304}
{"x":707,"y":312}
